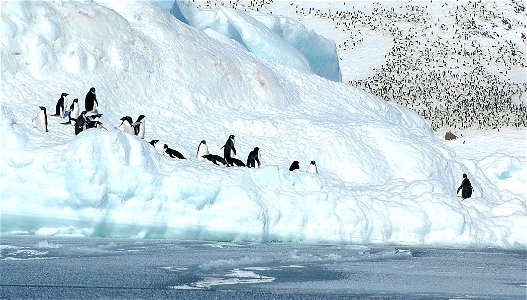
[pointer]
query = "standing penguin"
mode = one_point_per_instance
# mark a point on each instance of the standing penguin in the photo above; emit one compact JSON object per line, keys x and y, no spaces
{"x":312,"y":168}
{"x":203,"y":149}
{"x":41,"y":120}
{"x":90,"y":102}
{"x":139,"y":126}
{"x":80,"y":123}
{"x":229,"y":150}
{"x":465,"y":187}
{"x":60,"y":109}
{"x":253,"y":160}
{"x":294,"y":166}
{"x":75,"y":111}
{"x":126,"y":125}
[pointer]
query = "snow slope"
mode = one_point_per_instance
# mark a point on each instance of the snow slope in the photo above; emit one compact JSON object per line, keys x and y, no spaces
{"x":383,"y":175}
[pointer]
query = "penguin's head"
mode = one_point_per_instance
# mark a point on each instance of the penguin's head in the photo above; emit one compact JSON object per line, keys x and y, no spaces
{"x":313,"y":162}
{"x":140,"y":118}
{"x":153,"y":142}
{"x":42,"y":108}
{"x":92,"y":90}
{"x":95,"y":117}
{"x":127,"y":119}
{"x":76,"y":100}
{"x":203,"y":142}
{"x":64,"y":94}
{"x":464,"y":175}
{"x":165,"y":146}
{"x":256,"y":149}
{"x":231,"y":137}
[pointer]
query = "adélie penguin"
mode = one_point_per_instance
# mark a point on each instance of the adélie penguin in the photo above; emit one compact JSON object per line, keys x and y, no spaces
{"x":253,"y":160}
{"x":173,"y":153}
{"x":41,"y":120}
{"x":73,"y":113}
{"x":228,"y":150}
{"x":60,"y":108}
{"x":203,"y":149}
{"x":312,"y":168}
{"x":94,"y":121}
{"x":81,"y":123}
{"x":139,"y":126}
{"x":215,"y":159}
{"x":126,"y":125}
{"x":294,"y":166}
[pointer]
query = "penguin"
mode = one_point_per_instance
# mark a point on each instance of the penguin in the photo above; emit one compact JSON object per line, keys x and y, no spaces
{"x":312,"y":168}
{"x":126,"y":125}
{"x":158,"y":146}
{"x":139,"y":126}
{"x":41,"y":120}
{"x":60,"y":108}
{"x":90,"y":102}
{"x":253,"y":160}
{"x":74,"y":112}
{"x":294,"y":166}
{"x":173,"y":153}
{"x":237,"y":162}
{"x":203,"y":149}
{"x":213,"y":158}
{"x":80,"y":122}
{"x":94,"y":122}
{"x":229,"y":150}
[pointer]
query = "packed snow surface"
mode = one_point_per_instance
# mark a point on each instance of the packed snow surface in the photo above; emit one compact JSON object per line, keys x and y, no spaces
{"x":383,"y":176}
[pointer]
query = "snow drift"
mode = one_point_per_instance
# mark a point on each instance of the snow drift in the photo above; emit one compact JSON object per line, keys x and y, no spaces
{"x":383,"y":176}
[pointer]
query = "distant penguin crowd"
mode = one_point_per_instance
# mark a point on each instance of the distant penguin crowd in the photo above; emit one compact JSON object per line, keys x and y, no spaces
{"x":91,"y":118}
{"x":454,"y":71}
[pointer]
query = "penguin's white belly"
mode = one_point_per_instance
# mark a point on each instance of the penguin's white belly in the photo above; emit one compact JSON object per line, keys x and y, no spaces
{"x":141,"y":133}
{"x":40,"y":122}
{"x":203,"y":150}
{"x":126,"y":128}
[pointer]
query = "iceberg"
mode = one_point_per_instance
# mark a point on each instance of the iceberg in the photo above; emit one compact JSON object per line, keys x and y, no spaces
{"x":383,"y":176}
{"x":279,"y":39}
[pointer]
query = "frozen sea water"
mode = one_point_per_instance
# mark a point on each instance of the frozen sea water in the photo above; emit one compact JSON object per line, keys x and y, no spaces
{"x":55,"y":268}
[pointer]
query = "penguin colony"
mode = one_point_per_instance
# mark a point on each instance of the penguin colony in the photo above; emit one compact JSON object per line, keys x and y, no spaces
{"x":92,"y":119}
{"x":446,"y":79}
